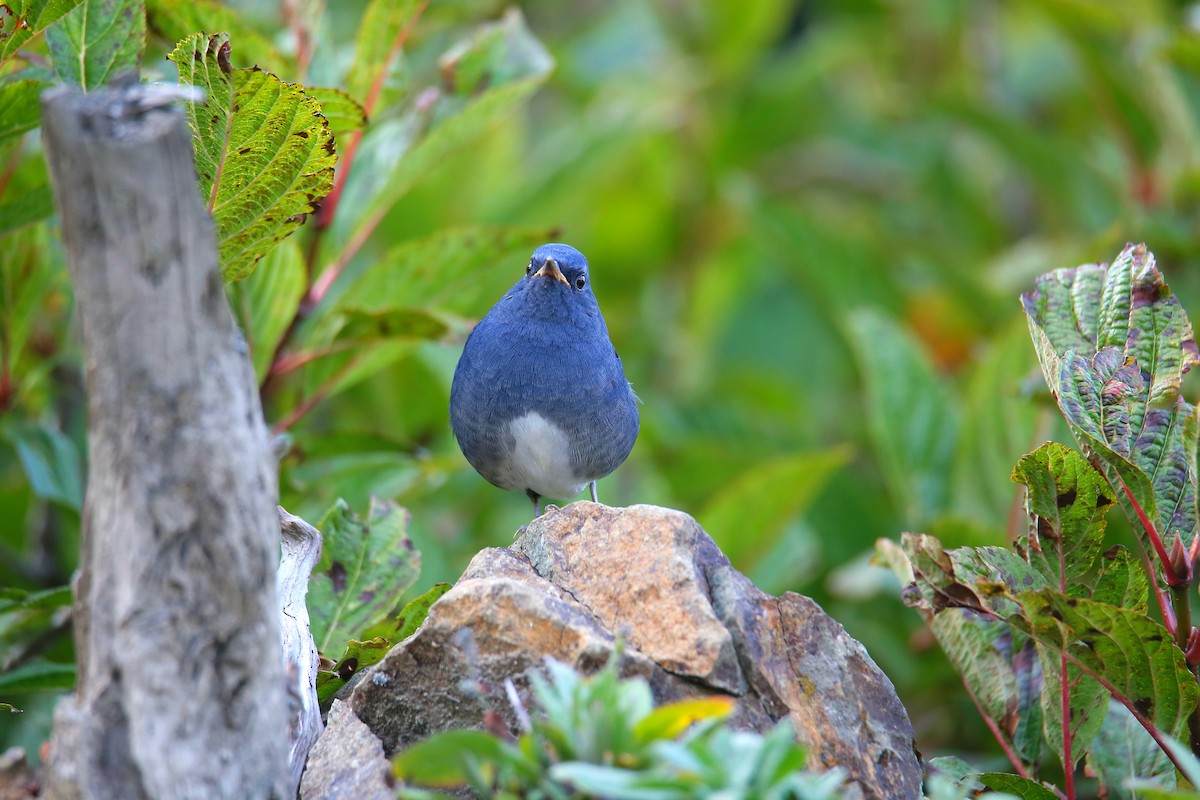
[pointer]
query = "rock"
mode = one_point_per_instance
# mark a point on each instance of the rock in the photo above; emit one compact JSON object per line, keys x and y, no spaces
{"x":347,"y":762}
{"x":18,"y":781}
{"x":693,"y":626}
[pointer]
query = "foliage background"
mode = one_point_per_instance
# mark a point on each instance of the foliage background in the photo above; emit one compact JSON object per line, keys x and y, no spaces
{"x":808,"y":226}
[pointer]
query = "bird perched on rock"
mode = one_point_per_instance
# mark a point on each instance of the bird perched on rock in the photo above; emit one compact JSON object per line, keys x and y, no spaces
{"x":540,"y":402}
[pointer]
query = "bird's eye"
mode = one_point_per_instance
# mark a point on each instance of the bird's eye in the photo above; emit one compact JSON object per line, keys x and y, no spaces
{"x":529,"y":269}
{"x":580,"y":281}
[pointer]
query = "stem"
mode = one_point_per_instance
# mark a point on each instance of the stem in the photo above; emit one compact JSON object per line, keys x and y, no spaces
{"x":1164,"y":602}
{"x":1152,"y":532}
{"x":295,"y":23}
{"x":10,"y":167}
{"x":1116,"y":693}
{"x":1068,"y":758}
{"x":311,"y":402}
{"x":1183,"y":631}
{"x":328,"y":208}
{"x":1013,"y":758}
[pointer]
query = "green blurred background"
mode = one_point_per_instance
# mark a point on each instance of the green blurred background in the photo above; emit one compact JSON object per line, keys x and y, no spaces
{"x":808,"y":226}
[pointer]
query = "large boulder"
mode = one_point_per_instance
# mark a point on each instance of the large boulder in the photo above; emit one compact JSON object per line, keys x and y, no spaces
{"x":582,"y":576}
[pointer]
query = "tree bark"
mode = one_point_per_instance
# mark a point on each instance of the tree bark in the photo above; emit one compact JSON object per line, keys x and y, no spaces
{"x":301,"y":552}
{"x":181,"y":689}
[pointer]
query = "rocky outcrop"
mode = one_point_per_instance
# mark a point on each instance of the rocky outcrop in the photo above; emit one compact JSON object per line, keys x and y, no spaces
{"x":582,"y":576}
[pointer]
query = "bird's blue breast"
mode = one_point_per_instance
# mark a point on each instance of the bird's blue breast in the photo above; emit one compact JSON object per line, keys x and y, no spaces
{"x":543,"y":350}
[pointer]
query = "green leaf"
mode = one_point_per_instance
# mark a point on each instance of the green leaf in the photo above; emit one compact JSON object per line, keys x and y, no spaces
{"x":385,"y":26}
{"x":1132,"y":653}
{"x":913,"y":421}
{"x":264,"y":153}
{"x":342,"y":111}
{"x":174,"y":21}
{"x":20,"y":109}
{"x":22,"y":20}
{"x":267,"y":301}
{"x":33,"y":206}
{"x":749,"y":514}
{"x":19,"y":600}
{"x":366,"y":565}
{"x":516,"y":64}
{"x":1023,"y":788}
{"x":415,"y":611}
{"x":39,"y":676}
{"x":999,"y":673}
{"x":356,"y":657}
{"x":1088,"y":704}
{"x":362,"y":328}
{"x":672,"y":719}
{"x":1125,"y":651}
{"x":98,"y":39}
{"x":444,"y":759}
{"x":10,"y":708}
{"x":52,"y":463}
{"x":1067,"y":501}
{"x":1123,"y":751}
{"x":1114,"y":344}
{"x":457,"y":269}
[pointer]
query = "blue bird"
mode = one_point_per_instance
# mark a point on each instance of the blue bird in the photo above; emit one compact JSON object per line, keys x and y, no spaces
{"x":539,"y":401}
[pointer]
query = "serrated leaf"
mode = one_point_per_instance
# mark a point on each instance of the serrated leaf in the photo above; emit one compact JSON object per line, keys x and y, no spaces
{"x":20,"y":110}
{"x":22,"y":20}
{"x":1132,"y":653}
{"x":1067,"y":501}
{"x":982,"y":651}
{"x":913,"y":423}
{"x":1122,"y":581}
{"x":98,"y":39}
{"x":517,"y":63}
{"x":342,"y":111}
{"x":1122,"y":649}
{"x":1088,"y":704}
{"x":267,"y":301}
{"x":33,"y":206}
{"x":39,"y":676}
{"x":1023,"y":788}
{"x":1114,"y":344}
{"x":749,"y":513}
{"x":1123,"y":751}
{"x":264,"y":153}
{"x":174,"y":21}
{"x":366,"y":565}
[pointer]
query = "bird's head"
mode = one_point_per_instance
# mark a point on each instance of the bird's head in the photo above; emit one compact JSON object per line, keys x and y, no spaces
{"x":559,"y":263}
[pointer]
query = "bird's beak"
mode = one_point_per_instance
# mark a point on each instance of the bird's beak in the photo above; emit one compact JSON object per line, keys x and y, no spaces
{"x":550,"y":270}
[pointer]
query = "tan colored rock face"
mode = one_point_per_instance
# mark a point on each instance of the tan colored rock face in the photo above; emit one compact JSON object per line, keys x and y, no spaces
{"x":694,"y":626}
{"x":636,"y":572}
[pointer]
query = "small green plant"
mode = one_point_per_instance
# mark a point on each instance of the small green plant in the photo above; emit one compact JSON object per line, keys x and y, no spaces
{"x":601,"y":736}
{"x":1054,"y":637}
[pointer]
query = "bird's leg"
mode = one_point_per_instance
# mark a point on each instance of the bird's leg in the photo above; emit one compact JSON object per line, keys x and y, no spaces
{"x":592,"y":485}
{"x":537,"y":501}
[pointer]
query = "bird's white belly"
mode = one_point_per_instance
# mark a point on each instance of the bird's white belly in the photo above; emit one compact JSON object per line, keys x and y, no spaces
{"x":540,"y":459}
